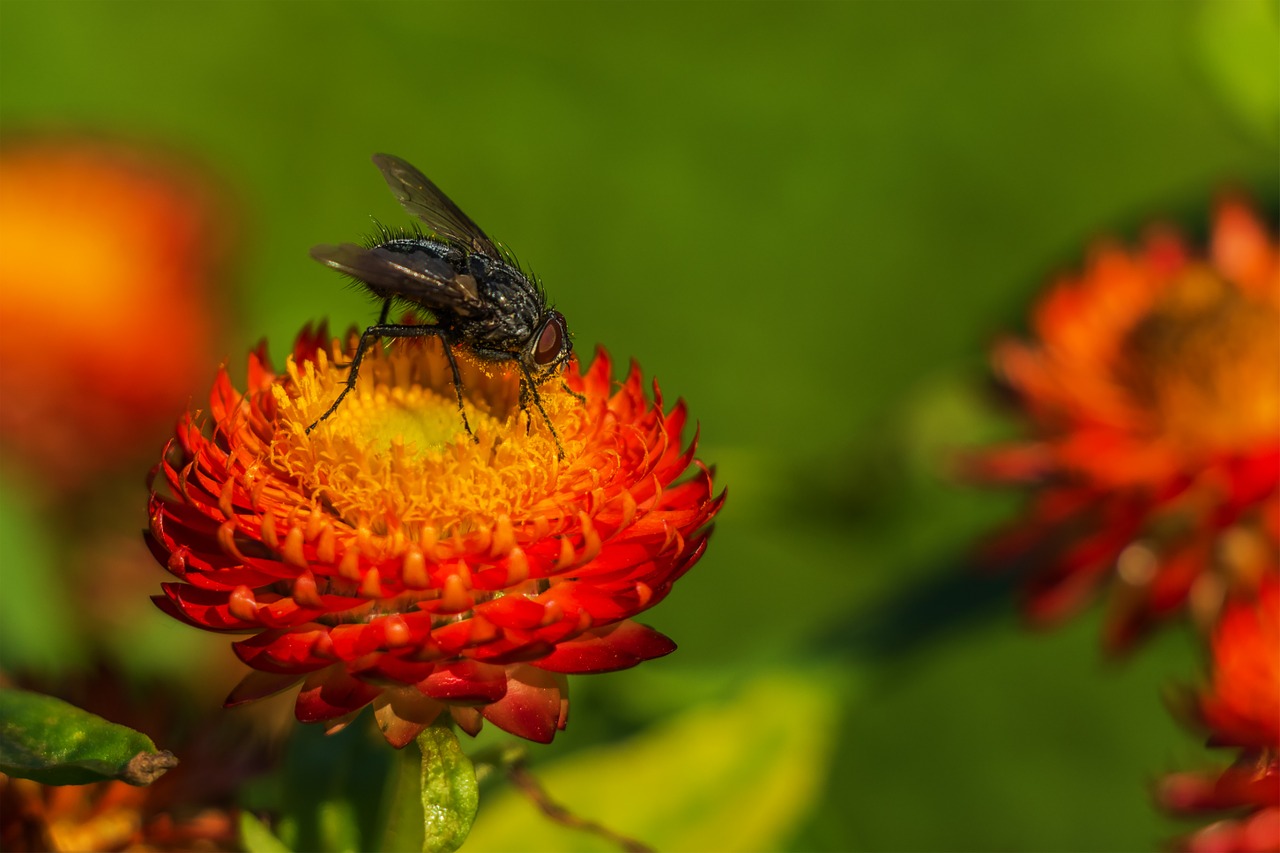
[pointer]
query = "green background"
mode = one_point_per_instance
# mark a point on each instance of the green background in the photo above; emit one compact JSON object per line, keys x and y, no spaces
{"x":809,"y":221}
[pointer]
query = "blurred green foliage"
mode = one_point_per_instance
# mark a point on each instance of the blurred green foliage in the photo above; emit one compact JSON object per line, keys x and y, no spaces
{"x":806,"y":219}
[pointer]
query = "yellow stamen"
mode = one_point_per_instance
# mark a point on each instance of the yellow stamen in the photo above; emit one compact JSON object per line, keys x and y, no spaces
{"x":395,"y":459}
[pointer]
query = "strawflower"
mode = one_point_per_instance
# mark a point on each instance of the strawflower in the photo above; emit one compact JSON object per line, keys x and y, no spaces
{"x":109,"y":251}
{"x":1240,"y":708}
{"x":1152,"y":389}
{"x":386,"y":558}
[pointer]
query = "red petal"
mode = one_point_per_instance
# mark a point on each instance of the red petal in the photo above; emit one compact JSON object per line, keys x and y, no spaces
{"x":535,"y":707}
{"x":298,"y":651}
{"x":200,"y":608}
{"x":466,"y":681}
{"x":387,"y":667}
{"x":403,"y":714}
{"x":513,"y":611}
{"x":331,"y":693}
{"x":615,"y":647}
{"x":467,"y":718}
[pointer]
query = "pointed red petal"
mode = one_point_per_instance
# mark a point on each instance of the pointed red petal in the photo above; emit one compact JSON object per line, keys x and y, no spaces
{"x":617,"y":647}
{"x":403,"y":714}
{"x":536,"y":705}
{"x":466,"y":681}
{"x":468,"y":719}
{"x":331,"y":693}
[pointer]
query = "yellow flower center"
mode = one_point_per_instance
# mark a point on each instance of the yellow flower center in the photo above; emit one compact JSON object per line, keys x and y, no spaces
{"x":395,"y":458}
{"x":1206,"y":363}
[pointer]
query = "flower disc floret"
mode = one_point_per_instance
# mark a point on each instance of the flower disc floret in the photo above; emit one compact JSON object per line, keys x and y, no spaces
{"x":387,"y":557}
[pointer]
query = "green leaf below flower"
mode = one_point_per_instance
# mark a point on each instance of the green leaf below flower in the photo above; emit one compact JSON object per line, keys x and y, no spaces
{"x":433,"y":798}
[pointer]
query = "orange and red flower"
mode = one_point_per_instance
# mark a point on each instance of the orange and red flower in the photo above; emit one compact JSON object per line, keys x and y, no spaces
{"x":1153,"y":391}
{"x":387,"y":558}
{"x":1240,"y":708}
{"x":108,"y":250}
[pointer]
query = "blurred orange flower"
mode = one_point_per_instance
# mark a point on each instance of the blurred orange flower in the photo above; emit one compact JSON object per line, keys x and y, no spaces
{"x":1153,"y":391}
{"x":105,"y":293}
{"x":104,"y":816}
{"x":1240,"y":708}
{"x":387,"y":558}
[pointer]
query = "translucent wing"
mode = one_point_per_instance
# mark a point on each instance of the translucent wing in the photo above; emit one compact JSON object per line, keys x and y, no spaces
{"x":417,"y":278}
{"x":418,"y":195}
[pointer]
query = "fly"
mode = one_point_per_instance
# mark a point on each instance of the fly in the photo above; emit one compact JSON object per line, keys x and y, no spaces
{"x":480,"y":300}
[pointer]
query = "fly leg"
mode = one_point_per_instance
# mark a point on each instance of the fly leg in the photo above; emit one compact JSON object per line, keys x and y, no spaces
{"x":581,"y":398}
{"x":383,"y":330}
{"x":529,"y":389}
{"x":457,"y":386}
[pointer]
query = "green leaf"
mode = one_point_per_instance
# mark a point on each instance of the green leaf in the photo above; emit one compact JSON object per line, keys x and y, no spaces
{"x":257,"y":838}
{"x":433,"y":797}
{"x":55,"y":743}
{"x":739,"y":775}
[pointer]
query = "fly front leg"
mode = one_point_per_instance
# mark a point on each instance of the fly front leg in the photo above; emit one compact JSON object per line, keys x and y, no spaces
{"x":529,"y":389}
{"x":581,"y":398}
{"x":524,"y":405}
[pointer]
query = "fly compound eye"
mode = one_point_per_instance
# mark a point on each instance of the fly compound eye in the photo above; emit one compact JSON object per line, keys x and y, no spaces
{"x":551,"y":341}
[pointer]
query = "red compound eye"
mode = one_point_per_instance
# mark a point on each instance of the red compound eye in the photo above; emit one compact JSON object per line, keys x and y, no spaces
{"x":551,"y":341}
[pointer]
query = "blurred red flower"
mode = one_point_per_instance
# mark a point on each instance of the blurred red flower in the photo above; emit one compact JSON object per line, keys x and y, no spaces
{"x":1240,"y":708}
{"x":386,"y":558}
{"x":105,"y":261}
{"x":1153,"y":392}
{"x":1243,"y":705}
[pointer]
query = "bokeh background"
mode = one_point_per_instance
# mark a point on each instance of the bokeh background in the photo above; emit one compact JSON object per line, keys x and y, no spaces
{"x":808,"y":220}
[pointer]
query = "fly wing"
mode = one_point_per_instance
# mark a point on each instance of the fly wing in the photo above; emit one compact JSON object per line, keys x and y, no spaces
{"x":417,"y":278}
{"x":420,"y":197}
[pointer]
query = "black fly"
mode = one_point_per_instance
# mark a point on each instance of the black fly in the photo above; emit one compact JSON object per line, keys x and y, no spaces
{"x":476,"y":294}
